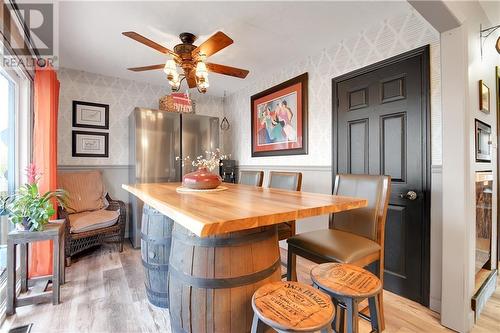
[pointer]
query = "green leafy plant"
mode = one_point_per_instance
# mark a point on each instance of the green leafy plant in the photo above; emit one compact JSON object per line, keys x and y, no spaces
{"x":29,"y":208}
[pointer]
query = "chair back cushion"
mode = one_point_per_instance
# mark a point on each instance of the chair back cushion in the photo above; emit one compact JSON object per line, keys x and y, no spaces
{"x":253,"y":178}
{"x":85,"y":189}
{"x":368,"y":221}
{"x":291,"y":181}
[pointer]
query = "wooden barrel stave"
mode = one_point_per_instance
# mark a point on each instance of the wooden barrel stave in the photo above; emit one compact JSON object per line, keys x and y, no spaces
{"x":156,"y":239}
{"x":201,"y":305}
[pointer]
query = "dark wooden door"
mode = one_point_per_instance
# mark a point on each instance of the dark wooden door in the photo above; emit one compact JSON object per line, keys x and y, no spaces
{"x":380,"y":127}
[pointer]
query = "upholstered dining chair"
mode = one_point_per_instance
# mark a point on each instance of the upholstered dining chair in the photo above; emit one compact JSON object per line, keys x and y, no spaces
{"x":248,"y":177}
{"x":355,"y":236}
{"x":291,"y":181}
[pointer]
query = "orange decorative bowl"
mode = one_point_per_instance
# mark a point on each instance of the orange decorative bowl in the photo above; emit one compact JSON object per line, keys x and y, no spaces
{"x":201,"y":179}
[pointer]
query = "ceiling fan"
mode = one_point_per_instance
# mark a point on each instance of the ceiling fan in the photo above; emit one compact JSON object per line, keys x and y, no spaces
{"x":191,"y":59}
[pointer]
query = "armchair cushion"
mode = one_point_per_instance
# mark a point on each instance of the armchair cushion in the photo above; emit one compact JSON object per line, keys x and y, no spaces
{"x":85,"y":189}
{"x":87,"y":221}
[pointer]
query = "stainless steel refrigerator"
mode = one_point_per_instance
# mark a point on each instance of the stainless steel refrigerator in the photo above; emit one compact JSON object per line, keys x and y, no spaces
{"x":156,"y":139}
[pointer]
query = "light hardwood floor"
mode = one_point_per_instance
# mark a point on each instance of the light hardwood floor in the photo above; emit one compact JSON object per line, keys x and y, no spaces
{"x":104,"y":293}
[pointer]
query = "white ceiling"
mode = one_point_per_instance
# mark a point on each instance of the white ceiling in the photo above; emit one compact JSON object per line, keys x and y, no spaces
{"x":267,"y":35}
{"x":492,"y":10}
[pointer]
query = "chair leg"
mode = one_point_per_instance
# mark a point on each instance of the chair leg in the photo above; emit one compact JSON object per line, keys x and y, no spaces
{"x":291,"y":270}
{"x":338,"y":320}
{"x":352,"y":315}
{"x":326,"y":329}
{"x":120,"y":247}
{"x":380,"y":298}
{"x":342,"y":320}
{"x":380,"y":302}
{"x":257,"y":325}
{"x":374,"y":313}
{"x":68,"y":261}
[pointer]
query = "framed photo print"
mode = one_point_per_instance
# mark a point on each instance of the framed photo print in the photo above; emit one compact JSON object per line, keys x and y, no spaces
{"x":90,"y":144}
{"x":90,"y":115}
{"x":483,"y":142}
{"x":279,"y":119}
{"x":484,"y":97}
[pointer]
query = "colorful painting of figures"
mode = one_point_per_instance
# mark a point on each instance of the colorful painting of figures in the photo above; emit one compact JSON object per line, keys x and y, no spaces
{"x":279,"y":119}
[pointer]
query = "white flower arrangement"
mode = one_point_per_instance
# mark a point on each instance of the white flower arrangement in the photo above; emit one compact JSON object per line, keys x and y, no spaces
{"x":211,"y":161}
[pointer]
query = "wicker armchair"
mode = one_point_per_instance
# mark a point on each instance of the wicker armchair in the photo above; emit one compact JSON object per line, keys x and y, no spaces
{"x":77,"y":242}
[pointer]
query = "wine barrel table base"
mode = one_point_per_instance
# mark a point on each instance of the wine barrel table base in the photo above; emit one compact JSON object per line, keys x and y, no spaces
{"x":291,"y":307}
{"x":212,"y":279}
{"x":348,"y":285}
{"x":156,"y":238}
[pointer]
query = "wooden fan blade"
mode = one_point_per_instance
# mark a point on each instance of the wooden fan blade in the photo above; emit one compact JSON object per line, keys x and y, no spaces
{"x":146,"y":68}
{"x":148,"y":42}
{"x":191,"y":80}
{"x":213,"y":45}
{"x":227,"y":70}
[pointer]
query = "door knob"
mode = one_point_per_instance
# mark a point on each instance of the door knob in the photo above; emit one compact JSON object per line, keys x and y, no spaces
{"x":410,"y":195}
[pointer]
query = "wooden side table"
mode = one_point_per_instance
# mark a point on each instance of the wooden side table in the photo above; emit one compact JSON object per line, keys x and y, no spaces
{"x":53,"y":232}
{"x":348,"y":285}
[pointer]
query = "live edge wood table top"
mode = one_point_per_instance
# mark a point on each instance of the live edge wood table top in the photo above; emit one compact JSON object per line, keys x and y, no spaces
{"x":238,"y":208}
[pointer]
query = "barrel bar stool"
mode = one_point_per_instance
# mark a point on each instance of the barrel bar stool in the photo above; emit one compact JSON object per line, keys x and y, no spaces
{"x":291,"y":307}
{"x":348,"y":285}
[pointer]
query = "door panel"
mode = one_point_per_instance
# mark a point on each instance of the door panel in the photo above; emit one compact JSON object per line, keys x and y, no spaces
{"x":379,"y":128}
{"x":358,"y":146}
{"x":393,"y":146}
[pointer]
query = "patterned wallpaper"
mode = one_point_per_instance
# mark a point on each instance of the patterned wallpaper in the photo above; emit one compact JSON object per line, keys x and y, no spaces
{"x":122,"y":96}
{"x":388,"y":38}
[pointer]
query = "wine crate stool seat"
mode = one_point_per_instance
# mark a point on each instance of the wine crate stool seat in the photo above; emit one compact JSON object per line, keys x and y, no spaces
{"x":348,"y":285}
{"x":291,"y":307}
{"x":51,"y":231}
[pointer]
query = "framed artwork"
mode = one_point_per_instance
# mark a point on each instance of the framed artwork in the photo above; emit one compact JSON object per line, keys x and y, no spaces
{"x":497,"y":79}
{"x":484,"y":97}
{"x":279,"y":119}
{"x":483,"y":142}
{"x":90,"y":144}
{"x":90,"y":115}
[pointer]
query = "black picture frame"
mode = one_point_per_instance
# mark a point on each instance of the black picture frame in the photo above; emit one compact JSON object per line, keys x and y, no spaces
{"x":105,"y":108}
{"x":74,"y":142}
{"x":482,"y":132}
{"x":303,"y":80}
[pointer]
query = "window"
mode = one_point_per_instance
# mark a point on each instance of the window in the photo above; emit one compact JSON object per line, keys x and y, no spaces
{"x":15,"y":147}
{"x":7,"y":154}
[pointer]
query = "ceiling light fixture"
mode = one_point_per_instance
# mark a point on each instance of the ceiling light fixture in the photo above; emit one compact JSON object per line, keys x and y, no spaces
{"x":175,"y":79}
{"x":170,"y":69}
{"x":190,"y":59}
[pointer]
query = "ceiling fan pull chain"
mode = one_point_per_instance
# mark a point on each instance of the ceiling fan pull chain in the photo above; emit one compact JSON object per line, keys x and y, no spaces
{"x":224,"y":125}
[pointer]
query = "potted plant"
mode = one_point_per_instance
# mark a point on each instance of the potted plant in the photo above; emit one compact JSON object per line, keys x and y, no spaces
{"x":27,"y":208}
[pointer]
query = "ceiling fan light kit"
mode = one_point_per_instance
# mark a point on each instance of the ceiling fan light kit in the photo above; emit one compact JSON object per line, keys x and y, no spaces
{"x":191,"y":59}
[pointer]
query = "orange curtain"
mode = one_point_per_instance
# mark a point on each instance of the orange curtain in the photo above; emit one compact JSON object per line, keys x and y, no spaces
{"x":46,"y":105}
